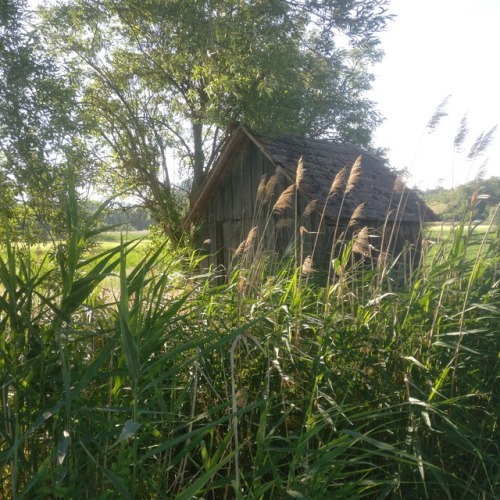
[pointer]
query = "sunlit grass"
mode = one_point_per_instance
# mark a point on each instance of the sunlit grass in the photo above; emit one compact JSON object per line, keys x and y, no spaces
{"x":130,"y":364}
{"x":473,"y":236}
{"x":115,"y":237}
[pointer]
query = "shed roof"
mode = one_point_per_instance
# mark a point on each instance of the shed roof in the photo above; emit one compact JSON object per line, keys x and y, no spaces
{"x":380,"y":189}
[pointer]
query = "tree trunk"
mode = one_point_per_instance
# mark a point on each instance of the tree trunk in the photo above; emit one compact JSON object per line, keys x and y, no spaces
{"x":199,"y":159}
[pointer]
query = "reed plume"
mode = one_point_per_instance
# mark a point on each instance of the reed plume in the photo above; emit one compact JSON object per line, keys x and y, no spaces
{"x":283,"y":223}
{"x":338,"y":182}
{"x":311,"y":207}
{"x":261,"y":190}
{"x":482,"y":143}
{"x":474,"y":200}
{"x":439,"y":113}
{"x":354,"y":174}
{"x":357,"y":215}
{"x":247,"y":243}
{"x":250,"y":239}
{"x":307,"y":266}
{"x":461,"y":134}
{"x":270,"y":186}
{"x":481,"y":171}
{"x":361,"y":243}
{"x":300,"y":174}
{"x":241,"y":397}
{"x":399,"y":185}
{"x":241,"y":248}
{"x":285,"y":199}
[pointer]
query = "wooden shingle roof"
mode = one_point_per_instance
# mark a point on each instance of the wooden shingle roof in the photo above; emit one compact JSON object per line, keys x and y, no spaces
{"x":381,"y":191}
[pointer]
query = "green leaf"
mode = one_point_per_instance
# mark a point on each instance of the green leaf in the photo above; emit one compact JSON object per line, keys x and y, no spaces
{"x":414,"y":361}
{"x":297,"y":494}
{"x":128,"y":430}
{"x":93,"y":368}
{"x":116,"y":481}
{"x":129,"y":344}
{"x":62,"y":447}
{"x":195,"y":488}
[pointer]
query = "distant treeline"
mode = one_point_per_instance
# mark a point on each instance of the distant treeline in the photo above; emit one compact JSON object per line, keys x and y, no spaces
{"x":451,"y":204}
{"x":131,"y":217}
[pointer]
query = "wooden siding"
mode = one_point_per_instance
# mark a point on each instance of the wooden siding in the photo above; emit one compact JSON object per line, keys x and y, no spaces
{"x":231,"y":210}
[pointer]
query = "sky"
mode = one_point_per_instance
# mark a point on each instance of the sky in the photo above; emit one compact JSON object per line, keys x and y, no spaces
{"x":436,"y":48}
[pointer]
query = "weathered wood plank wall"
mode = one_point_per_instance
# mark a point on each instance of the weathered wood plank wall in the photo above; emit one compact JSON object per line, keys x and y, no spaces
{"x":232,"y":211}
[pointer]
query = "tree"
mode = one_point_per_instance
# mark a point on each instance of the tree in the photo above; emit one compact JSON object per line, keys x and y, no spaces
{"x":478,"y":197}
{"x":174,"y":74}
{"x":17,"y":141}
{"x":40,"y":134}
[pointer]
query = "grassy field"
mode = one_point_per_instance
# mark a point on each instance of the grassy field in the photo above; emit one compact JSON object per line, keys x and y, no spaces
{"x":382,"y":383}
{"x":475,"y":238}
{"x":114,"y":237}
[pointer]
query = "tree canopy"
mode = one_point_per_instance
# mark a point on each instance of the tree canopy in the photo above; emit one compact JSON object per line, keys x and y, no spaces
{"x":481,"y":196}
{"x":168,"y":76}
{"x":43,"y":140}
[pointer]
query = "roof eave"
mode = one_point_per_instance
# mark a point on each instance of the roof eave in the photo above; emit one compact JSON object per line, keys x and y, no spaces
{"x":215,"y":174}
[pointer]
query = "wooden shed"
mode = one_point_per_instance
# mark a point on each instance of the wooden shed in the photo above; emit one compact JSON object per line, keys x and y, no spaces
{"x":263,"y":194}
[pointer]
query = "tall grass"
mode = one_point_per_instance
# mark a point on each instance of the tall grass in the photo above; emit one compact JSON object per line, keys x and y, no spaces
{"x":377,"y":382}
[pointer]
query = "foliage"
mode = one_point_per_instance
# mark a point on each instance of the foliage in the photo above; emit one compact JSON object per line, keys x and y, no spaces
{"x":41,"y":137}
{"x":382,"y":382}
{"x":124,"y":216}
{"x":482,"y":195}
{"x":160,"y":76}
{"x":130,"y":370}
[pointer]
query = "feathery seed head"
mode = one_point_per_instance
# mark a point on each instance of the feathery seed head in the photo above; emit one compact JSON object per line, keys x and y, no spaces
{"x":299,"y":176}
{"x":338,"y":181}
{"x":439,"y":113}
{"x":273,"y":181}
{"x":250,"y":239}
{"x":307,"y":266}
{"x":283,"y":223}
{"x":361,"y":244}
{"x":399,"y":185}
{"x":261,"y":190}
{"x":285,"y":199}
{"x":354,"y":174}
{"x":356,"y":215}
{"x":461,"y":134}
{"x":247,"y":243}
{"x":311,"y":207}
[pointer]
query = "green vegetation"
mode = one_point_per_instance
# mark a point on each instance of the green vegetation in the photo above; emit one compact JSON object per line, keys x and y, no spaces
{"x":159,"y":77}
{"x":127,"y":369}
{"x":445,"y":235}
{"x":383,"y":382}
{"x":481,"y":195}
{"x":115,"y":237}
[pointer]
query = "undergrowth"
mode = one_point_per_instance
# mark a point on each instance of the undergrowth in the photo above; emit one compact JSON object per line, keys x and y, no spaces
{"x":375,"y":381}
